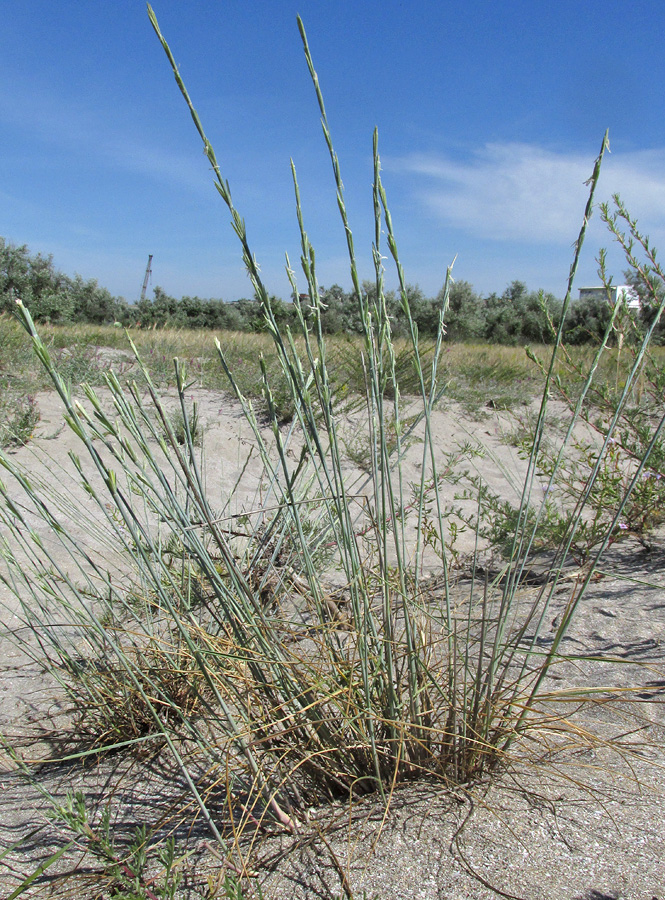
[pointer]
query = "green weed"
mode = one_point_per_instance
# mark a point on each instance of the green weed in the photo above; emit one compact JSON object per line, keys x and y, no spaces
{"x":18,"y":419}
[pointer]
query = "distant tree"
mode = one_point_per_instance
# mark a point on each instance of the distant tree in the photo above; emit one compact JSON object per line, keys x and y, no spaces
{"x":587,"y":320}
{"x":230,"y":318}
{"x":54,"y":305}
{"x":539,"y":312}
{"x":465,"y":320}
{"x":158,"y":311}
{"x":425,"y":312}
{"x":502,"y":315}
{"x":649,"y":302}
{"x":283,"y":312}
{"x":14,"y":275}
{"x":95,"y":304}
{"x":340,"y":311}
{"x":520,"y":315}
{"x":251,"y":313}
{"x":418,"y":304}
{"x":50,"y":295}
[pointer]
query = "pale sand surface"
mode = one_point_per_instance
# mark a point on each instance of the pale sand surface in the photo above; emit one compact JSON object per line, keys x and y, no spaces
{"x":579,"y":823}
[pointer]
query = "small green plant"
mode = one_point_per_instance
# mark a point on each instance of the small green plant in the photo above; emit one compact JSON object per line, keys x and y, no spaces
{"x":614,"y":475}
{"x":133,"y":871}
{"x":232,"y":888}
{"x":125,"y":871}
{"x":618,"y":425}
{"x":359,"y":448}
{"x":596,"y":466}
{"x":18,"y":426}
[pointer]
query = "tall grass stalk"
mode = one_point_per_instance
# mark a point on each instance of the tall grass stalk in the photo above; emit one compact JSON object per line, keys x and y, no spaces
{"x":284,"y":699}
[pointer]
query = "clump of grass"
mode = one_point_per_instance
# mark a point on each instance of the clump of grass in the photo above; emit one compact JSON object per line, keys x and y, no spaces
{"x":186,"y":426}
{"x":321,"y":680}
{"x":485,"y":378}
{"x":115,"y":704}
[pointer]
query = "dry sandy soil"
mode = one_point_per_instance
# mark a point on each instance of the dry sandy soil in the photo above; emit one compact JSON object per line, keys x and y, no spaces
{"x":576,"y":822}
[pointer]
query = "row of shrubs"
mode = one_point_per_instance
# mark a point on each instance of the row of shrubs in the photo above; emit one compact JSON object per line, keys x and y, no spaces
{"x":513,"y":317}
{"x":50,"y":295}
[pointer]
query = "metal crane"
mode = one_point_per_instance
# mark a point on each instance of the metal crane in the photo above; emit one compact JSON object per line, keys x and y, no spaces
{"x":148,"y":273}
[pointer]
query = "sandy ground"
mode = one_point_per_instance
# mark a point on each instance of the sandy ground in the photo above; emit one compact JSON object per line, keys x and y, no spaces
{"x":575,"y":822}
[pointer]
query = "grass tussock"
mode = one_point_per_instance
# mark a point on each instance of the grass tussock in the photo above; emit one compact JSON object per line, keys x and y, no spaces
{"x":314,"y":646}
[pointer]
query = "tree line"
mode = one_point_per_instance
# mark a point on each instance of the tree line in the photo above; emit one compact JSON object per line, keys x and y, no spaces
{"x":516,"y":316}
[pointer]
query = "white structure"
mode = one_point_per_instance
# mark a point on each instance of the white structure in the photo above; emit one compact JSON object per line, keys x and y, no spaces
{"x":616,"y":292}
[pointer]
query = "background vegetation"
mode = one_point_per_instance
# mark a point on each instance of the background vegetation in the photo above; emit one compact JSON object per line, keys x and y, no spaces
{"x":516,"y":316}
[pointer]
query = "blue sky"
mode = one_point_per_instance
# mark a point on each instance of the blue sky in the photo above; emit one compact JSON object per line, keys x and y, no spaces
{"x":489,"y":114}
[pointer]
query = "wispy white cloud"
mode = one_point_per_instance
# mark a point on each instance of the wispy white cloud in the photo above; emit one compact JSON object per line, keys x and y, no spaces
{"x":56,"y":124}
{"x":639,"y":178}
{"x":523,"y":192}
